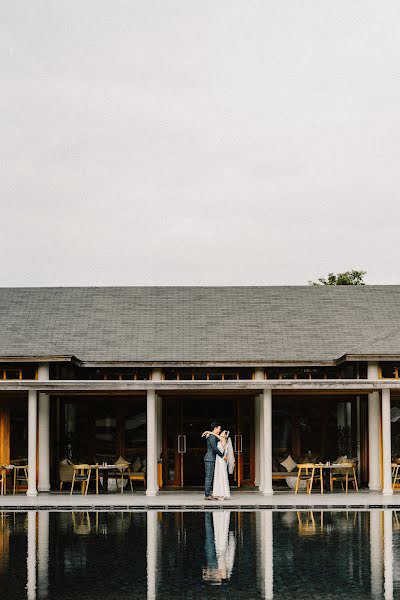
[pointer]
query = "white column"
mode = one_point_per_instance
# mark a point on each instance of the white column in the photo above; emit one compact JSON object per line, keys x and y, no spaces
{"x":152,"y":548}
{"x":31,"y":556}
{"x":159,"y":432}
{"x":159,"y":426}
{"x":267,"y":442}
{"x":151,"y":475}
{"x":386,"y":443}
{"x":43,"y":553}
{"x":32,"y":424}
{"x":44,"y":433}
{"x":375,"y":537}
{"x":156,"y":375}
{"x":374,"y":432}
{"x":267,"y":555}
{"x":260,"y":426}
{"x":388,"y":553}
{"x":257,"y":440}
{"x":259,"y":375}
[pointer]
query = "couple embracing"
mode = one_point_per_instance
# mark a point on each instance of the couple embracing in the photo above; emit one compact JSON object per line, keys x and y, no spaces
{"x":217,"y":460}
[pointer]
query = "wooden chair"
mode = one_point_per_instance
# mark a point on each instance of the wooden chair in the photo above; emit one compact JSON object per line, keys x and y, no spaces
{"x":306,"y":472}
{"x":347,"y":472}
{"x":82,"y":474}
{"x":136,"y":476}
{"x":20,"y":476}
{"x":65,"y":472}
{"x":307,"y":523}
{"x":81,"y":523}
{"x":395,"y":474}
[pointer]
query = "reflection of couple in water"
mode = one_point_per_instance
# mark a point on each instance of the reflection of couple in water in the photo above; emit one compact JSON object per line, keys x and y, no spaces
{"x":217,"y":460}
{"x":219,"y":546}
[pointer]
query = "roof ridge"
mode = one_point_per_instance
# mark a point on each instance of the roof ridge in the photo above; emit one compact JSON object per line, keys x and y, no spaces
{"x":373,"y":340}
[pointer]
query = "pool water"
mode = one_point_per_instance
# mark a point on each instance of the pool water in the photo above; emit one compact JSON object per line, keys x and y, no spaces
{"x":213,"y":554}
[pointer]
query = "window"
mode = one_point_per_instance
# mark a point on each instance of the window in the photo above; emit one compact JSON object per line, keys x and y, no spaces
{"x":389,"y":371}
{"x":18,"y":372}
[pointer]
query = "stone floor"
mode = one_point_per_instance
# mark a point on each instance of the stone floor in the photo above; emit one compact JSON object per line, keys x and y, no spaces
{"x":181,"y":500}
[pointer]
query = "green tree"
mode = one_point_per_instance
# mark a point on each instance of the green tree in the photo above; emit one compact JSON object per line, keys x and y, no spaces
{"x":346,"y":278}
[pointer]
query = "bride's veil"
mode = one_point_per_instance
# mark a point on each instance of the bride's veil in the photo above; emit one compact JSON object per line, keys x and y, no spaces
{"x":231,"y":454}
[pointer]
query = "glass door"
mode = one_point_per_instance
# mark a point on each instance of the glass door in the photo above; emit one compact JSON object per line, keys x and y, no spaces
{"x":173,"y":444}
{"x":244,"y":442}
{"x":184,"y":421}
{"x":106,"y":431}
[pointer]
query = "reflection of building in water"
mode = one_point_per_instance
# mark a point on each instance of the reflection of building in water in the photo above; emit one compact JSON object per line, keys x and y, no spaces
{"x":31,"y":557}
{"x":219,"y":547}
{"x":4,"y":542}
{"x":157,"y":555}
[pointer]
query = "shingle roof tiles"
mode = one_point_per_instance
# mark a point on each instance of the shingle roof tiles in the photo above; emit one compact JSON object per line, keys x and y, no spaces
{"x":238,"y":324}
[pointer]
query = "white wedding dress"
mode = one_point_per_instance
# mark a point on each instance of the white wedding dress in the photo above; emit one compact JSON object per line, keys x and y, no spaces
{"x":225,"y":543}
{"x":221,"y":481}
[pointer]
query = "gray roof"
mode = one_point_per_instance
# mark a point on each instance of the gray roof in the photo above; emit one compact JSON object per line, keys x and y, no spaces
{"x":200,"y":324}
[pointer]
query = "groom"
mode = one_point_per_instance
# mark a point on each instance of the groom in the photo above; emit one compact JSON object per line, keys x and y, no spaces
{"x":209,"y":459}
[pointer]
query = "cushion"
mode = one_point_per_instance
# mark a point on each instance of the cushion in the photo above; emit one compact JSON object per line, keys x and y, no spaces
{"x":143,"y":469}
{"x":289,"y":464}
{"x":280,"y":458}
{"x":136,"y":465}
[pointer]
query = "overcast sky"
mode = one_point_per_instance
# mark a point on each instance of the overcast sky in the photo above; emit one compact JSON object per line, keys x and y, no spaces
{"x":201,"y":142}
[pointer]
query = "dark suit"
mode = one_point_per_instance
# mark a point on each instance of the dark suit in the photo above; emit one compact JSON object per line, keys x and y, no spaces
{"x":209,"y":462}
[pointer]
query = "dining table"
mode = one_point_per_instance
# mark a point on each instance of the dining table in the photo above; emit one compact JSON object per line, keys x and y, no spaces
{"x":105,"y":470}
{"x":325,"y":470}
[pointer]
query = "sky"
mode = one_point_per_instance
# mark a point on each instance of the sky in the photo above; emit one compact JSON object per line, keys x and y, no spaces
{"x":221,"y":142}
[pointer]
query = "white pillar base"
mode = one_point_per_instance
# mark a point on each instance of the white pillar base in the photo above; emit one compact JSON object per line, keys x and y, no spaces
{"x":374,"y":488}
{"x":151,"y":493}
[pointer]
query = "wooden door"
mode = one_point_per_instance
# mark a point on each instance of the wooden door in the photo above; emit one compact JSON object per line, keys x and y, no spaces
{"x":172,"y":442}
{"x":244,"y":442}
{"x":4,"y":436}
{"x":183,"y":447}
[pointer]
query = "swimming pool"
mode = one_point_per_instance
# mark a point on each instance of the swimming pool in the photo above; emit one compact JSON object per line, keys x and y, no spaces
{"x":214,"y":554}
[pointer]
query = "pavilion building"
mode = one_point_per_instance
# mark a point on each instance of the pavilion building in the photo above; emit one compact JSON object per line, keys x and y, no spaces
{"x":95,"y":373}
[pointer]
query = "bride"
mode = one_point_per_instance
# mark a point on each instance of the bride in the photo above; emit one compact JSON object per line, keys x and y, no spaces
{"x":221,"y":488}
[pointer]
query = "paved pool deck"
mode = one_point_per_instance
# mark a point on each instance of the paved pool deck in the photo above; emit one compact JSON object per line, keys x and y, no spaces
{"x":194,"y":500}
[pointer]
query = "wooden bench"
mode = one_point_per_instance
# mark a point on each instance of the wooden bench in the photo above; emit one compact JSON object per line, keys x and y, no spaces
{"x":279,"y":475}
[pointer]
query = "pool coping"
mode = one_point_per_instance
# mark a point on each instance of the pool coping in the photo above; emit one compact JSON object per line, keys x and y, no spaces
{"x":194,"y":501}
